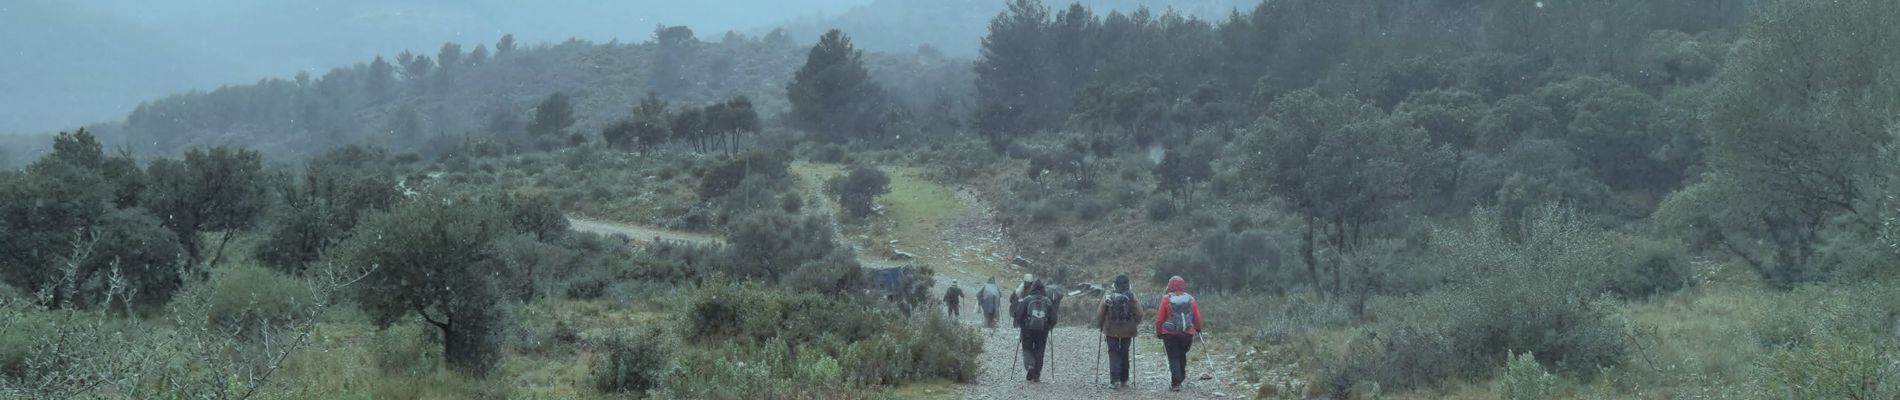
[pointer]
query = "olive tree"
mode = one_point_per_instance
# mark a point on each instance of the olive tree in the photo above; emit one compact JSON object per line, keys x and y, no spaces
{"x":433,"y":261}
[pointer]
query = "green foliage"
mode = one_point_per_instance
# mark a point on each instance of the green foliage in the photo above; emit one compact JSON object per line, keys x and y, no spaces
{"x":730,"y":173}
{"x":1541,"y":294}
{"x":773,"y":246}
{"x":1832,"y":367}
{"x":833,"y":95}
{"x":1644,"y":267}
{"x":1341,"y":163}
{"x":1525,"y":379}
{"x":131,"y":247}
{"x":246,"y":300}
{"x":1235,"y":261}
{"x":552,"y":116}
{"x":432,"y":259}
{"x":631,"y":362}
{"x":834,"y":340}
{"x":319,"y":210}
{"x":1159,"y":209}
{"x":535,"y":215}
{"x":216,"y":190}
{"x":858,"y":190}
{"x":1793,"y":140}
{"x":44,"y":213}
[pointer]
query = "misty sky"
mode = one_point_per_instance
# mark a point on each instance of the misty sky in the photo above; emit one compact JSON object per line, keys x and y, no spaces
{"x":65,"y":63}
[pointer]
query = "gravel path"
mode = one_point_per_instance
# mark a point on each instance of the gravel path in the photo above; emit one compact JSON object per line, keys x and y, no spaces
{"x":1071,"y":370}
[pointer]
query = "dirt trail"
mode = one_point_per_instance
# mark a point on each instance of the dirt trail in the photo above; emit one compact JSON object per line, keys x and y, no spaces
{"x":973,"y":248}
{"x":1077,"y":365}
{"x":639,"y":233}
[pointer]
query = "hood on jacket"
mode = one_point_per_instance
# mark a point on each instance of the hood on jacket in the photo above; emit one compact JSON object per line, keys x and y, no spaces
{"x":1177,"y":285}
{"x":1035,"y":288}
{"x":1121,"y":282}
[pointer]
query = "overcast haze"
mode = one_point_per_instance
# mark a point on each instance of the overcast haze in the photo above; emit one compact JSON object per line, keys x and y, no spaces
{"x":68,"y":63}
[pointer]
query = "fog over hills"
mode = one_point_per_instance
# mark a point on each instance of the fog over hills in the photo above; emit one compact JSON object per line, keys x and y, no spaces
{"x":64,"y":64}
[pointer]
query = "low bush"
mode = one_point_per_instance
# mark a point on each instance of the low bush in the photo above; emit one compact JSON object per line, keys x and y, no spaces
{"x":1833,"y":367}
{"x":860,"y":341}
{"x":1045,"y":211}
{"x":1159,"y":209}
{"x":1644,"y":267}
{"x":857,"y":191}
{"x":245,"y":298}
{"x":1525,"y":379}
{"x":1543,"y":295}
{"x":631,"y":362}
{"x":1090,"y":208}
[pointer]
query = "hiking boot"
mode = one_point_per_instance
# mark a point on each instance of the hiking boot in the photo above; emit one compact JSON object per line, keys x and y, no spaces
{"x":1174,"y":388}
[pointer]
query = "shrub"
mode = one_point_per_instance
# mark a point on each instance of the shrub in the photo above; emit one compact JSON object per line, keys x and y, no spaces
{"x":1541,"y":295}
{"x":1090,"y":209}
{"x":1160,"y":209}
{"x":246,"y":298}
{"x":1832,"y":367}
{"x":405,"y":350}
{"x":858,"y":190}
{"x":630,"y":362}
{"x":1644,"y":267}
{"x":774,"y":246}
{"x":1525,"y":379}
{"x":144,"y":254}
{"x":1044,"y":211}
{"x":24,"y":329}
{"x":537,"y":215}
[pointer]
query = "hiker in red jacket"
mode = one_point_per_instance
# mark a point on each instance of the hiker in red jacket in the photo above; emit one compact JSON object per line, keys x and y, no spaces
{"x":1178,"y":320}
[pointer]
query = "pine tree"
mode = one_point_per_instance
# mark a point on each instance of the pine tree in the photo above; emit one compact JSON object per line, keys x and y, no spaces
{"x":832,"y":95}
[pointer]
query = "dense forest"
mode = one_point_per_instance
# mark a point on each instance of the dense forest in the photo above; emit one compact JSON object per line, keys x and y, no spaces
{"x":1376,"y":199}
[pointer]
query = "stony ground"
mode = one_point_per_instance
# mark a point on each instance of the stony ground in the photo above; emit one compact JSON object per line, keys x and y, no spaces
{"x":1077,"y":366}
{"x":1073,"y":371}
{"x":974,"y":248}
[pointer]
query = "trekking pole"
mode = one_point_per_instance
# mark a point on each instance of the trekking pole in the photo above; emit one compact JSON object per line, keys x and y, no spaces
{"x":1098,"y":361}
{"x":1206,"y":362}
{"x":1019,"y":355}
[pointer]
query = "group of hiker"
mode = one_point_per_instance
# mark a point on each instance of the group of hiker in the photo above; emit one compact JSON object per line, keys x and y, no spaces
{"x":1033,"y":311}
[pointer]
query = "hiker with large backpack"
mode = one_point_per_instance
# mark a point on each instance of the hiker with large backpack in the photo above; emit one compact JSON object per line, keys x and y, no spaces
{"x":987,"y":299}
{"x":953,"y":299}
{"x":1035,"y":314}
{"x":1016,"y":296}
{"x":1176,"y":323}
{"x":1118,"y":317}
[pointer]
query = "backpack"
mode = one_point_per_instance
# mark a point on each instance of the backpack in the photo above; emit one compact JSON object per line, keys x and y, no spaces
{"x":1121,"y":306}
{"x":1036,"y":313}
{"x":1180,"y":314}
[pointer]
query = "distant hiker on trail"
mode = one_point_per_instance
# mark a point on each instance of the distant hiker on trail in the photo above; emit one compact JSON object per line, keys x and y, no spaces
{"x":953,"y":298}
{"x":1016,"y":296}
{"x":1118,"y":317}
{"x":1178,"y":320}
{"x":987,"y":299}
{"x":1035,"y":313}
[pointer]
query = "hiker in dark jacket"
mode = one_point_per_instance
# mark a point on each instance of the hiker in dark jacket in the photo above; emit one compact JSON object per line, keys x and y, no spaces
{"x":1022,"y":289}
{"x":953,"y":298}
{"x":1118,"y":317}
{"x":1035,"y":313}
{"x":1178,"y":320}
